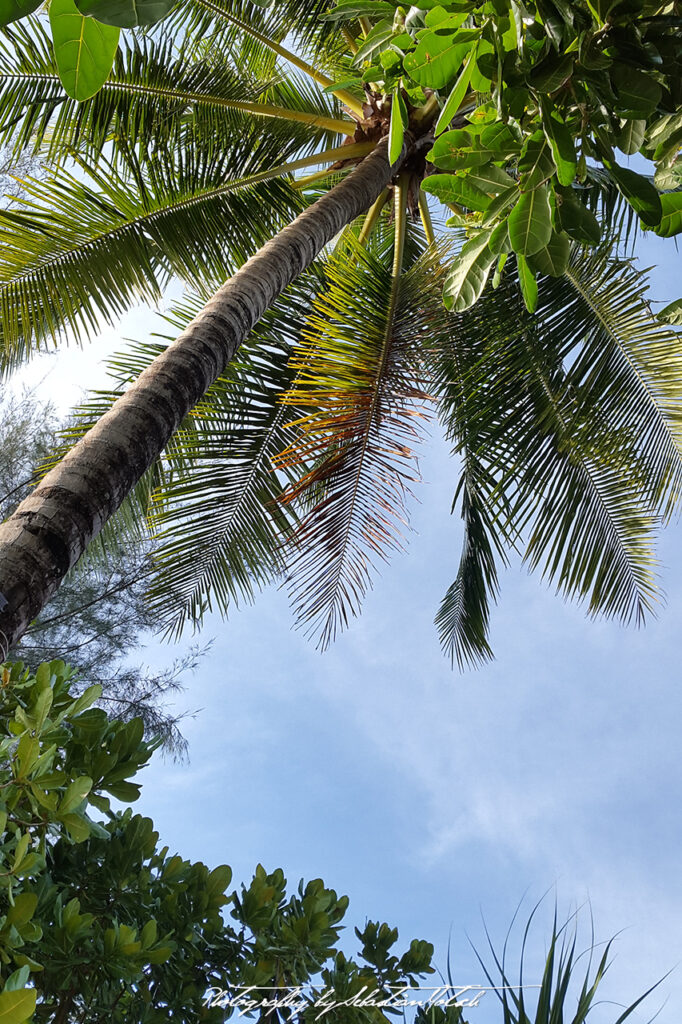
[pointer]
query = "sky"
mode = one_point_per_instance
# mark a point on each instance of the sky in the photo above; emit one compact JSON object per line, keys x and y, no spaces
{"x":439,"y":801}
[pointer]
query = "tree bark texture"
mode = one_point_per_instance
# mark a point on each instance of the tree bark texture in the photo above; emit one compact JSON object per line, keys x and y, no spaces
{"x":50,"y":530}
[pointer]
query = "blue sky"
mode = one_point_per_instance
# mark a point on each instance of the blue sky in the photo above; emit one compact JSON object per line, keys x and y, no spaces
{"x":430,"y":797}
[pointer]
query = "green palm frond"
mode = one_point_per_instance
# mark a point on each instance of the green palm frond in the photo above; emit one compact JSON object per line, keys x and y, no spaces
{"x":568,"y":426}
{"x":362,"y":385}
{"x":217,"y":520}
{"x":462,"y":381}
{"x":463,"y":618}
{"x":580,"y":449}
{"x":627,"y":364}
{"x":74,"y":251}
{"x":210,"y":502}
{"x":594,"y":527}
{"x":213,"y":20}
{"x":154,"y":93}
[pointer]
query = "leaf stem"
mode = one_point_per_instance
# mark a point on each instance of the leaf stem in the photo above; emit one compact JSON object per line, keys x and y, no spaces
{"x":425,"y":215}
{"x":400,"y":208}
{"x":372,"y":217}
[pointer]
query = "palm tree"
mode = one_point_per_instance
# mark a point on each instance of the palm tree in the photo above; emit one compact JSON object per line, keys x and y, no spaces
{"x":294,"y":456}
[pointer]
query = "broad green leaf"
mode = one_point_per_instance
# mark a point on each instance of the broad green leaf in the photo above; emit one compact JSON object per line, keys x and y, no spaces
{"x":450,"y":188}
{"x":85,"y":700}
{"x":449,"y":148}
{"x":218,"y":880}
{"x":396,"y":133}
{"x":459,"y":90}
{"x":17,"y":979}
{"x":41,"y":708}
{"x":671,"y":215}
{"x":376,"y":38}
{"x":126,"y":13}
{"x":469,"y":272}
{"x":126,"y":792}
{"x":672,"y":313}
{"x":439,"y":18}
{"x":529,"y":286}
{"x":631,"y":136}
{"x":553,"y":259}
{"x":667,"y":178}
{"x":536,"y":164}
{"x":24,"y":908}
{"x":562,"y":146}
{"x":639,"y":192}
{"x":12,"y":10}
{"x":77,"y":827}
{"x":499,"y":239}
{"x":148,"y":934}
{"x":499,"y":140}
{"x":437,"y":59}
{"x":575,"y":219}
{"x":160,"y":955}
{"x":551,"y":73}
{"x":75,"y":793}
{"x":638,"y":93}
{"x":530,"y":222}
{"x":491,"y":179}
{"x":44,"y":675}
{"x":17,"y":1007}
{"x":347,"y":9}
{"x":20,"y":850}
{"x":84,"y":49}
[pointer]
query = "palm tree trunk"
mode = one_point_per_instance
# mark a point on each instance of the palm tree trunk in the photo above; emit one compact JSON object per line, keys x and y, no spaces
{"x":51,"y":528}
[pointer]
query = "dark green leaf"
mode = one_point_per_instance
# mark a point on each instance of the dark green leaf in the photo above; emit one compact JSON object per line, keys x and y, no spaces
{"x":12,"y":10}
{"x":638,"y":93}
{"x":530,"y":222}
{"x":529,"y":286}
{"x":671,"y":215}
{"x":562,"y":145}
{"x":631,"y":136}
{"x":575,"y":219}
{"x":126,"y":13}
{"x":536,"y":164}
{"x":553,"y":259}
{"x":639,"y":192}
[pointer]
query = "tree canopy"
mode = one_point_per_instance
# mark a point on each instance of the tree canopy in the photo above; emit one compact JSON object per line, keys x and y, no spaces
{"x":555,"y":383}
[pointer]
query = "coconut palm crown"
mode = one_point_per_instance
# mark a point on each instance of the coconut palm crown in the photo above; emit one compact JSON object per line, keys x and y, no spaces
{"x":523,"y":329}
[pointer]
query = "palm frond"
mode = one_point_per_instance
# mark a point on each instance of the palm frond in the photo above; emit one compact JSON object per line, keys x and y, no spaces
{"x":210,"y":501}
{"x":463,"y":618}
{"x":155,"y":94}
{"x":75,"y":251}
{"x":217,"y":519}
{"x":222,"y":24}
{"x":362,"y":383}
{"x":622,"y":362}
{"x":457,"y":350}
{"x":579,"y":446}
